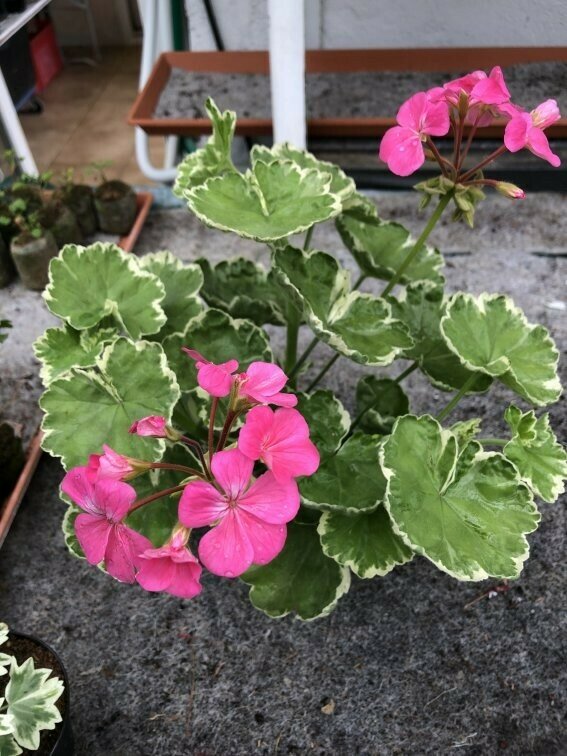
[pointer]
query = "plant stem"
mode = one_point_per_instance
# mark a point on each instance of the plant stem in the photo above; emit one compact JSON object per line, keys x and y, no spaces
{"x":211,"y":438}
{"x":153,"y":497}
{"x":323,"y":372}
{"x":493,"y":155}
{"x":417,"y":247}
{"x":291,"y":345}
{"x":230,"y":418}
{"x":457,"y":398}
{"x":308,"y":236}
{"x":195,"y":445}
{"x":359,"y":281}
{"x":437,"y":155}
{"x":470,"y":137}
{"x":172,"y":466}
{"x":295,"y":369}
{"x":493,"y":441}
{"x":407,"y":371}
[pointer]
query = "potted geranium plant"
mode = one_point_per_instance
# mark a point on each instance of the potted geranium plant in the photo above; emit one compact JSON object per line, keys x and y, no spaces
{"x":296,"y":494}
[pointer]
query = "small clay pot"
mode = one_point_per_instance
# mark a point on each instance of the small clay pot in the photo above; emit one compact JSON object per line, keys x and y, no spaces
{"x":32,"y":256}
{"x":79,"y":199}
{"x":61,"y":221}
{"x":7,"y":270}
{"x":115,"y":204}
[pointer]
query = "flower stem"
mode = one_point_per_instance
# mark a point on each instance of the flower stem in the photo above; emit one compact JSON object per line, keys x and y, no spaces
{"x":323,"y":372}
{"x":308,"y":236}
{"x":457,"y":398}
{"x":179,"y":468}
{"x":295,"y":369}
{"x":153,"y":497}
{"x":493,"y":155}
{"x":437,"y":155}
{"x":291,"y":345}
{"x":195,"y":445}
{"x":417,"y":247}
{"x":230,"y":418}
{"x":470,"y":137}
{"x":407,"y":371}
{"x":493,"y":441}
{"x":211,"y":438}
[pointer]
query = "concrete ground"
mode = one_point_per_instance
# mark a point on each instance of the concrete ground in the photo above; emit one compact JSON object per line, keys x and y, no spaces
{"x":405,"y":665}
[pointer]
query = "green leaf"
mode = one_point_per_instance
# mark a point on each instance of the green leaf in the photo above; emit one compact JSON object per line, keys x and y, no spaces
{"x":380,"y":247}
{"x":243,"y":289}
{"x":356,"y":325}
{"x":86,"y":408}
{"x":467,"y":513}
{"x":541,"y":461}
{"x":212,"y":160}
{"x":328,"y":420}
{"x":181,"y":283}
{"x":68,"y":528}
{"x":421,"y":307}
{"x":268,"y":203}
{"x":31,"y":695}
{"x":300,"y":579}
{"x":60,"y":349}
{"x":381,"y":400}
{"x":341,"y":185}
{"x":87,"y":284}
{"x":365,"y":543}
{"x":219,"y":338}
{"x":8,"y":746}
{"x":360,"y":207}
{"x":5,"y":659}
{"x":350,"y":481}
{"x":490,"y":334}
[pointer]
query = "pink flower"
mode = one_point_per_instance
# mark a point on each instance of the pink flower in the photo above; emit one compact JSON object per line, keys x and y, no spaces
{"x":402,"y":146}
{"x":113,"y":465}
{"x":249,"y":519}
{"x":526,"y":130}
{"x":262,"y":383}
{"x":479,"y":88}
{"x":214,"y":379}
{"x":171,"y":568}
{"x":280,"y":440}
{"x":152,"y":425}
{"x":100,"y":530}
{"x":93,"y":466}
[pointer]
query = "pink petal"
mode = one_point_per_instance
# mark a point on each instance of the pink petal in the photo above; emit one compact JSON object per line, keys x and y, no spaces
{"x":402,"y":149}
{"x":545,"y":114}
{"x":152,"y":425}
{"x":226,"y":549}
{"x":201,"y":504}
{"x":185,"y":582}
{"x":233,"y":471}
{"x":78,"y":486}
{"x":267,"y":540}
{"x":436,"y":121}
{"x":113,"y":465}
{"x":259,"y":422}
{"x":539,"y":145}
{"x":270,"y":501}
{"x":114,"y":498}
{"x":492,"y":90}
{"x":215,"y":379}
{"x":413,"y":110}
{"x":195,"y":355}
{"x":93,"y":467}
{"x":123,"y":553}
{"x":262,"y":380}
{"x":155,"y":574}
{"x":465,"y":83}
{"x":516,"y":132}
{"x":92,"y":532}
{"x":283,"y":400}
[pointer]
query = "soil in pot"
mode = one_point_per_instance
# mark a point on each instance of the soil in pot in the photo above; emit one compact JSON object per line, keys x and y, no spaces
{"x":31,"y":256}
{"x":115,"y":204}
{"x":12,"y":457}
{"x":7,"y":270}
{"x":59,"y":741}
{"x":61,"y":221}
{"x":79,"y":199}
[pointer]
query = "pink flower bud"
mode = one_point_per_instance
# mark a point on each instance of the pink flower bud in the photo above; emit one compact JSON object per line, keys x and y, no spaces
{"x":153,"y":425}
{"x":510,"y":190}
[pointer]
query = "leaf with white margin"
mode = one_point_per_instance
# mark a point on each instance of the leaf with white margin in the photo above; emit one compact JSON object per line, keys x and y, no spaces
{"x":5,"y":659}
{"x":89,"y":284}
{"x":87,"y":408}
{"x":490,"y":334}
{"x":541,"y":461}
{"x":360,"y":207}
{"x":8,"y":746}
{"x":350,"y":481}
{"x":214,"y":159}
{"x":465,"y":510}
{"x":420,"y":307}
{"x":68,"y":528}
{"x":269,"y":203}
{"x":60,"y":349}
{"x":219,"y":338}
{"x":341,"y":184}
{"x":381,"y":400}
{"x":300,"y":579}
{"x":358,"y":326}
{"x":181,"y":283}
{"x":328,"y":420}
{"x":380,"y":247}
{"x":31,"y":695}
{"x":365,"y":543}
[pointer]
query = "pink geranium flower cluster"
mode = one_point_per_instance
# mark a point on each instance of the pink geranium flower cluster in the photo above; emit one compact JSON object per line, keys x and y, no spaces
{"x":471,"y":101}
{"x":245,"y":494}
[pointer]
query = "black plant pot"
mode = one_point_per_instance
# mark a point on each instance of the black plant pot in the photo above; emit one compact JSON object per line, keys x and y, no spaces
{"x":61,"y":738}
{"x":80,"y":199}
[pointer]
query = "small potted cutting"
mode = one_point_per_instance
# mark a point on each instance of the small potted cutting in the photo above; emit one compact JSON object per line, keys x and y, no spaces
{"x":80,"y":200}
{"x":58,"y":218}
{"x":34,"y":698}
{"x":115,"y":203}
{"x":32,"y":250}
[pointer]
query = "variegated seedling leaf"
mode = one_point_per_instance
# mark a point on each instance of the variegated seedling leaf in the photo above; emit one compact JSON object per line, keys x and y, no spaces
{"x":491,"y":335}
{"x":540,"y":459}
{"x":8,"y":746}
{"x":350,"y":481}
{"x":214,"y":159}
{"x":379,"y":401}
{"x":270,"y":202}
{"x":182,"y":283}
{"x":5,"y":659}
{"x":87,"y":408}
{"x":31,"y":695}
{"x":89,"y":284}
{"x":465,"y":510}
{"x":300,"y":579}
{"x":328,"y":420}
{"x":60,"y":349}
{"x":358,"y":326}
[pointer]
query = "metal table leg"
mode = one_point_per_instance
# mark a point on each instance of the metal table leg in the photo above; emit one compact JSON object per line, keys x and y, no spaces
{"x":14,"y":131}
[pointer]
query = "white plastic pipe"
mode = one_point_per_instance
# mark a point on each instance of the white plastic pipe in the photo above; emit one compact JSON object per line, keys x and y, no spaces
{"x":287,"y":70}
{"x":14,"y":130}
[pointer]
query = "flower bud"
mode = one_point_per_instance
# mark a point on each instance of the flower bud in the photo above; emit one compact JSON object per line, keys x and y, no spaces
{"x":510,"y":190}
{"x":156,"y":426}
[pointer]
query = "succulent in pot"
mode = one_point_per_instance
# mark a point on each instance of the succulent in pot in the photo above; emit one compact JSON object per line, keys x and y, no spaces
{"x":115,"y":203}
{"x":32,"y":250}
{"x":79,"y":198}
{"x":62,"y":222}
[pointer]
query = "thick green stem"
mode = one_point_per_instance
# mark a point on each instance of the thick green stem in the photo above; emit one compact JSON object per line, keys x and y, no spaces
{"x":312,"y":344}
{"x":493,"y":441}
{"x":323,"y":372}
{"x":417,"y":247}
{"x":457,"y":398}
{"x":308,"y":236}
{"x":407,"y":371}
{"x":291,"y":344}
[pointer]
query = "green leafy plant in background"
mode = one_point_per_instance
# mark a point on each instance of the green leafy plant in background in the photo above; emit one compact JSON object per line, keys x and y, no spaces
{"x":391,"y":485}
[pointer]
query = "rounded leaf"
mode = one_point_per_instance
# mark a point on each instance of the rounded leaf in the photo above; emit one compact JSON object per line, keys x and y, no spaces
{"x":328,"y":420}
{"x":60,"y":349}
